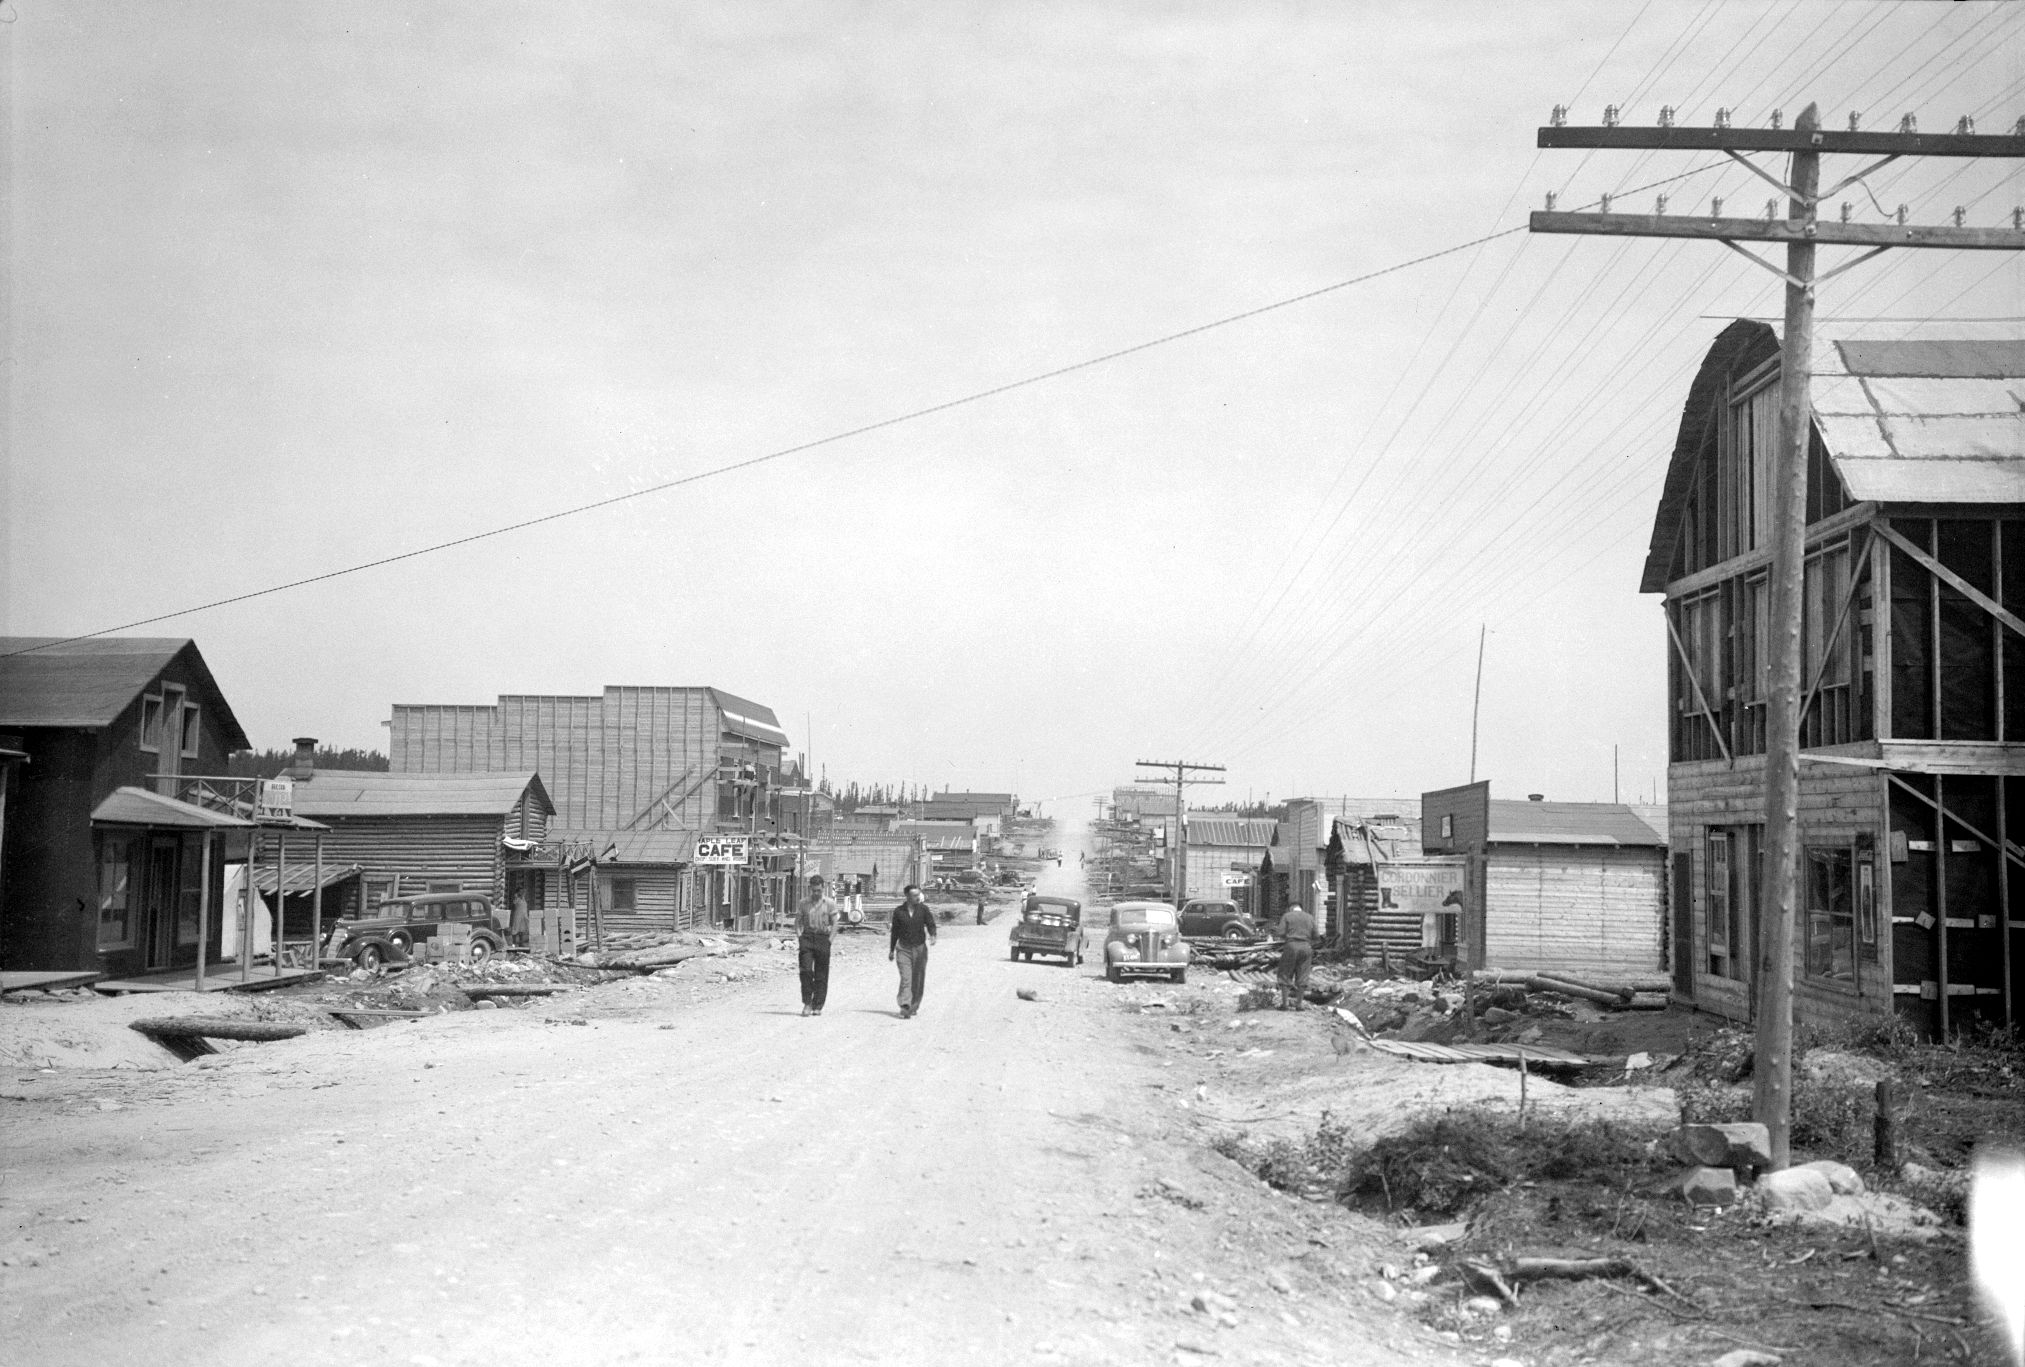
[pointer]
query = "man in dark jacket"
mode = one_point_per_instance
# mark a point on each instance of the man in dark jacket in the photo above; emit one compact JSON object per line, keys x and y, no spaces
{"x":907,"y":944}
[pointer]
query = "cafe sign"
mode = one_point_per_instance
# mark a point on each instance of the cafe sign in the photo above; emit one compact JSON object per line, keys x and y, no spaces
{"x":724,"y":849}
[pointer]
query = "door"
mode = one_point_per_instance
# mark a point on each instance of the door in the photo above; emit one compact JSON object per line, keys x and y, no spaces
{"x":159,"y":918}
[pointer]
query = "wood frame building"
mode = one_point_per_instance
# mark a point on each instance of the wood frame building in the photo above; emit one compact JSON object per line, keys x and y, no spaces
{"x":1575,"y":887}
{"x":102,"y":866}
{"x":1912,"y":779}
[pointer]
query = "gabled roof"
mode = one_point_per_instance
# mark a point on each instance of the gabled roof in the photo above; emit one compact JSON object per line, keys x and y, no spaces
{"x":89,"y":683}
{"x":357,"y":792}
{"x":1921,"y":419}
{"x":1569,"y":823}
{"x":1249,"y":832}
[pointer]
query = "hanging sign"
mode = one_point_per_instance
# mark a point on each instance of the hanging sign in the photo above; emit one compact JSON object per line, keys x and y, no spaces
{"x":1237,"y":880}
{"x":724,"y":849}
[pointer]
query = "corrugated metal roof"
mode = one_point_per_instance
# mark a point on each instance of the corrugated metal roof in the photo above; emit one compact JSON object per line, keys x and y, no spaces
{"x":745,"y":718}
{"x":302,"y":875}
{"x":352,"y":792}
{"x":89,"y":683}
{"x":1245,"y":832}
{"x":1919,"y":419}
{"x":1569,"y":823}
{"x":141,"y":807}
{"x":658,"y":846}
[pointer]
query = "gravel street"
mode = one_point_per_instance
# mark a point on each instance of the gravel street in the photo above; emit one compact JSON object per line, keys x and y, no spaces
{"x":632,"y":1174}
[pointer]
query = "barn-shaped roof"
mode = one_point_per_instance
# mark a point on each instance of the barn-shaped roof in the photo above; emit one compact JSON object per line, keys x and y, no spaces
{"x":50,"y":681}
{"x":1924,"y":418}
{"x":337,"y":793}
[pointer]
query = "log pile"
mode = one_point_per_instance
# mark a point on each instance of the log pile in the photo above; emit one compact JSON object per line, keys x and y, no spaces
{"x":1616,"y":994}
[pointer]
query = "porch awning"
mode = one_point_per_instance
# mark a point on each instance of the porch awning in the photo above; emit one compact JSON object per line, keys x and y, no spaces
{"x":302,"y":877}
{"x":140,"y":807}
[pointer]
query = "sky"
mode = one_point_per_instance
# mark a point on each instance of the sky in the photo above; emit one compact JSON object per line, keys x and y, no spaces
{"x":292,"y":289}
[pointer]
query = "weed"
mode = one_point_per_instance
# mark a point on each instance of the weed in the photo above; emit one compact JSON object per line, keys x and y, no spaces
{"x":1446,"y":1163}
{"x":1258,"y":997}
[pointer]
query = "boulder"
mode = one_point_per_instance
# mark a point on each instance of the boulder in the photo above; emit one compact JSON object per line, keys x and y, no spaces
{"x":1746,"y":1357}
{"x":1742,"y":1144}
{"x":1795,"y":1191}
{"x":1707,"y":1186}
{"x":1842,"y":1179}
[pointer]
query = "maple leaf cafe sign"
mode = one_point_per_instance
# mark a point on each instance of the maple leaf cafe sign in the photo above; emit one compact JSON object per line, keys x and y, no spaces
{"x":724,"y":849}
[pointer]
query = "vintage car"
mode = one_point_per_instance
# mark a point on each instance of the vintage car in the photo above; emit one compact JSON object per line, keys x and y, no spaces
{"x":1209,"y":916}
{"x":390,"y":933}
{"x":1145,"y":941}
{"x":1049,"y":925}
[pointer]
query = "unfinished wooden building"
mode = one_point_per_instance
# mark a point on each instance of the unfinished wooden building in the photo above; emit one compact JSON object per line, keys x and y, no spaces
{"x":1912,"y":784}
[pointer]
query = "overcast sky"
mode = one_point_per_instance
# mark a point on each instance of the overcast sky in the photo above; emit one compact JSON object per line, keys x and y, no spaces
{"x":296,"y":287}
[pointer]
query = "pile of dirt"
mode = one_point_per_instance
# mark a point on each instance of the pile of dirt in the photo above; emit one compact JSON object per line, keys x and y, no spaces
{"x":85,"y":1030}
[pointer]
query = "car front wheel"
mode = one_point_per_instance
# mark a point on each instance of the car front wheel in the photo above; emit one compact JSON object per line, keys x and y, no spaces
{"x":481,"y":950}
{"x":369,"y":958}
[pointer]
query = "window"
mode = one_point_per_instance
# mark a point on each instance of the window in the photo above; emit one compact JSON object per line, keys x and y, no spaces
{"x":1447,"y":826}
{"x":625,"y":894}
{"x":151,"y":723}
{"x":189,"y":895}
{"x":1717,"y":903}
{"x":115,"y":893}
{"x":1831,"y":915}
{"x":191,"y":730}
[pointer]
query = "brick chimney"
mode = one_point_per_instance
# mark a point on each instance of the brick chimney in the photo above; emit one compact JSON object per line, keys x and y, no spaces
{"x":303,"y":767}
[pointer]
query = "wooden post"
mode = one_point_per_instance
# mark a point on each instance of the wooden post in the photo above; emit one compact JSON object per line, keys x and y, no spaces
{"x":316,"y":910}
{"x":203,"y":909}
{"x":1772,"y":1070}
{"x":1884,"y":1149}
{"x":280,"y":937}
{"x":247,"y":892}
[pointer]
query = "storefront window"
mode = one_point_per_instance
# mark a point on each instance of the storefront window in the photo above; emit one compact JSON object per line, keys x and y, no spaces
{"x":1831,"y":915}
{"x":115,"y":893}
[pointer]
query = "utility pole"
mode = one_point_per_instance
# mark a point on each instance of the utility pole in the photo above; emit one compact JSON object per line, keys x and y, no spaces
{"x":1802,"y":230}
{"x":1179,"y":843}
{"x":1477,"y":702}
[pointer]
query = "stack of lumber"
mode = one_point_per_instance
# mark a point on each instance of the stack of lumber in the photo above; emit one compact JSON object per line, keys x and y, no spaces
{"x":1640,"y":993}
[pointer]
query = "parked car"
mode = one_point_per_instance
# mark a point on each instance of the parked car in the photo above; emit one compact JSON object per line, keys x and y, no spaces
{"x":1051,"y":926}
{"x":393,"y":929}
{"x":1145,"y":941}
{"x":1208,"y":916}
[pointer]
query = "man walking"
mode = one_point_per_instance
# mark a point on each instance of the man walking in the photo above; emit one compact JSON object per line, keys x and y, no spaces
{"x":1297,"y":957}
{"x":907,"y":945}
{"x":815,"y":922}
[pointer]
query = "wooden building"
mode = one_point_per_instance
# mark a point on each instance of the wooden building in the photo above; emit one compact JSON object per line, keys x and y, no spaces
{"x":1578,"y":887}
{"x":887,"y":861}
{"x":694,"y":761}
{"x":418,"y":833}
{"x":102,"y":867}
{"x":1912,"y":783}
{"x":1222,"y":850}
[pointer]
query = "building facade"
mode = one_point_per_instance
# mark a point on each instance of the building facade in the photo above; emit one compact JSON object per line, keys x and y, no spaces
{"x":1912,"y":786}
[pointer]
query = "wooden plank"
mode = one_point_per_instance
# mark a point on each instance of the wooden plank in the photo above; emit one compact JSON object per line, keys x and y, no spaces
{"x":1780,"y":230}
{"x":28,"y":980}
{"x":1951,"y":579}
{"x":1883,"y":144}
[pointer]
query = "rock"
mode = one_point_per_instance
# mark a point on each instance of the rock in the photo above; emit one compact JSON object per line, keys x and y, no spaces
{"x":1482,"y":1307}
{"x":1743,"y":1144}
{"x":1795,"y":1191}
{"x":1423,"y":1275}
{"x":1428,"y":1236}
{"x":1837,"y":1069}
{"x":1706,"y":1186}
{"x":1212,"y":1303}
{"x":486,"y":1005}
{"x":1026,"y":994}
{"x":1746,"y":1357}
{"x":1842,"y":1179}
{"x":1506,"y":1362}
{"x":1386,"y":1292}
{"x":1277,"y":1280}
{"x":1192,"y":1343}
{"x":1497,"y":1015}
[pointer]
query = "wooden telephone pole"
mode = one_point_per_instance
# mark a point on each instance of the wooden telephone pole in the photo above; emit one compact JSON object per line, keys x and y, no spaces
{"x":1802,"y":230}
{"x":1179,"y":844}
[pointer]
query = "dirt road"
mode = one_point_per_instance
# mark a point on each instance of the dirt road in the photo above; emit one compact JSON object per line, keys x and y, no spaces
{"x":623,"y":1177}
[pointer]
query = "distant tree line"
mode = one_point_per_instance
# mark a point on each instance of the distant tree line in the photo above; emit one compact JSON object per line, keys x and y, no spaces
{"x":271,"y":763}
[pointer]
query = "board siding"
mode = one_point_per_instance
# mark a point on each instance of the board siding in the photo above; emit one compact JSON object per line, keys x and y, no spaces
{"x":1585,"y":911}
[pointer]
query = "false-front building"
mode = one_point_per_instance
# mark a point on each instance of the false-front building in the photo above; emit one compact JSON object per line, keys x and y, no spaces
{"x":1912,"y":783}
